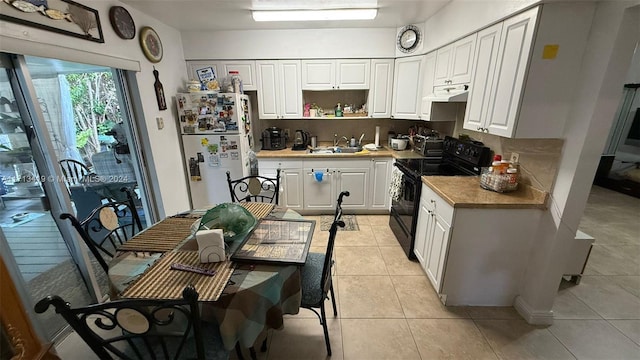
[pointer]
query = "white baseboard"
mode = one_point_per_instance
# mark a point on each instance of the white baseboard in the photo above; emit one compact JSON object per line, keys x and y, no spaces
{"x":532,"y":316}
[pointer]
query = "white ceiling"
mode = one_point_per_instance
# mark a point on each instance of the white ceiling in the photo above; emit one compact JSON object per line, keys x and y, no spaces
{"x":190,"y":15}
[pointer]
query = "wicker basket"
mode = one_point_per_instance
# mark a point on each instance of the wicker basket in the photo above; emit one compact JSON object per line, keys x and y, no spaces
{"x":498,"y":182}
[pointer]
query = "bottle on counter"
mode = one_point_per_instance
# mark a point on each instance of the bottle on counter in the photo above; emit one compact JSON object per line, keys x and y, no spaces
{"x":339,"y":110}
{"x":496,"y":165}
{"x":352,"y":142}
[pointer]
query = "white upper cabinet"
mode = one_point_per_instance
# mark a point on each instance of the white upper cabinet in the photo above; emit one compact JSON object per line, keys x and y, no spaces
{"x":454,"y":62}
{"x":484,"y":65}
{"x":407,"y":87}
{"x":507,"y":84}
{"x":380,"y":94}
{"x":279,"y":93}
{"x":428,"y":80}
{"x":341,"y":74}
{"x":245,"y":68}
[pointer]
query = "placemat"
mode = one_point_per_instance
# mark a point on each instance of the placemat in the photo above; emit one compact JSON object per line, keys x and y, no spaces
{"x":161,"y":282}
{"x":259,"y":210}
{"x":161,"y":237}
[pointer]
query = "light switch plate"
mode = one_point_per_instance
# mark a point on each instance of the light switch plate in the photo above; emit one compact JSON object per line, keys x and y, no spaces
{"x":160,"y":122}
{"x":515,"y":157}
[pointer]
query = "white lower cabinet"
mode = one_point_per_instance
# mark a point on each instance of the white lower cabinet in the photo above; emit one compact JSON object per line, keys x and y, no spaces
{"x":290,"y":180}
{"x":473,"y":256}
{"x":380,"y":181}
{"x":319,"y":188}
{"x":313,"y":185}
{"x":432,"y":235}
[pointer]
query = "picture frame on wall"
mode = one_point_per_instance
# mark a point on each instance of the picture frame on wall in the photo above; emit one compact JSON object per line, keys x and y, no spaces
{"x":60,"y":16}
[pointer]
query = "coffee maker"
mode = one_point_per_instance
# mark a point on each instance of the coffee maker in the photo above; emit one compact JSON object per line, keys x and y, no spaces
{"x":300,"y":140}
{"x":273,"y":138}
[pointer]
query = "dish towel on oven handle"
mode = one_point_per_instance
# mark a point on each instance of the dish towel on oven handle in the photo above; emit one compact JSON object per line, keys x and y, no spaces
{"x":397,"y":182}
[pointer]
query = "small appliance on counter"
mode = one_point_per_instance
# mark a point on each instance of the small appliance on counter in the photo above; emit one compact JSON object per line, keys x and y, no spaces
{"x":300,"y":140}
{"x":399,"y":142}
{"x":428,"y":146}
{"x":273,"y":138}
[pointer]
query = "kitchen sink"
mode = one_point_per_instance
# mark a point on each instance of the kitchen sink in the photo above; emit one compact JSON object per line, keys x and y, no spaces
{"x":334,"y":150}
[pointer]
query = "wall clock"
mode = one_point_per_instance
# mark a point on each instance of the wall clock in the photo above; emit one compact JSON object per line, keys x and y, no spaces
{"x":151,"y":44}
{"x":122,"y":22}
{"x":408,"y":38}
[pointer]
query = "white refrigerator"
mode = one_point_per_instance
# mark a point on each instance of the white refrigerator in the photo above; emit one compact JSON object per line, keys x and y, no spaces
{"x":216,"y":138}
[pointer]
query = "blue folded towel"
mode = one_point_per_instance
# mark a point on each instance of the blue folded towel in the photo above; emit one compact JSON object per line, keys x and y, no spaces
{"x":319,"y":176}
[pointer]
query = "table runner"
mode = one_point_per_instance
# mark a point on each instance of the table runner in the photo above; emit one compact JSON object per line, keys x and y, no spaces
{"x":161,"y":282}
{"x":161,"y":237}
{"x":259,"y":210}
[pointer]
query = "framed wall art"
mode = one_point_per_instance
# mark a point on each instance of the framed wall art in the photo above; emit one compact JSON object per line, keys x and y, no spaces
{"x":61,"y":16}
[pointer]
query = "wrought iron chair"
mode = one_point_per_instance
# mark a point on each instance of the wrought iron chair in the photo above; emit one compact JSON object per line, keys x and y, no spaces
{"x":143,"y":328}
{"x":112,"y":223}
{"x":316,"y":275}
{"x":73,"y":171}
{"x":255,"y":188}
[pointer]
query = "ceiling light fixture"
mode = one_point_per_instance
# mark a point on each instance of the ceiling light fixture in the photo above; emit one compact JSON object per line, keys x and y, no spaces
{"x":314,"y":15}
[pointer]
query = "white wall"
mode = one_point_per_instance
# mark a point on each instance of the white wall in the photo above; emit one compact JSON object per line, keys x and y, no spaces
{"x":609,"y":51}
{"x":167,"y":168}
{"x":463,"y":17}
{"x":290,"y":44}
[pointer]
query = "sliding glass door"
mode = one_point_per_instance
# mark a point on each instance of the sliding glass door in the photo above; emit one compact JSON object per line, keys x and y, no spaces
{"x":66,"y":146}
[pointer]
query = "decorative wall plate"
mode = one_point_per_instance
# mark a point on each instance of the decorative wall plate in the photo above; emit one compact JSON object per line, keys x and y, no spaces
{"x":151,"y":44}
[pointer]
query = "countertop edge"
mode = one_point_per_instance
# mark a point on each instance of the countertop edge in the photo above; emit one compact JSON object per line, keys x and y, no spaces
{"x":303,"y":154}
{"x":531,"y":198}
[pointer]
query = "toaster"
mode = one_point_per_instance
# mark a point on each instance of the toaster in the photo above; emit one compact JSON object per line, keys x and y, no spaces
{"x":427,"y":146}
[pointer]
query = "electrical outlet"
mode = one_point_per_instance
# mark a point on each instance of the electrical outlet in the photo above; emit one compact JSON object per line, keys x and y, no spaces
{"x":515,"y":157}
{"x":160,"y":122}
{"x":286,"y":132}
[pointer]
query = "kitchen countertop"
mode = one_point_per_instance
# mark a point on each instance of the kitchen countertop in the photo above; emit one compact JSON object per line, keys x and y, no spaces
{"x":465,"y":192}
{"x":383,"y":152}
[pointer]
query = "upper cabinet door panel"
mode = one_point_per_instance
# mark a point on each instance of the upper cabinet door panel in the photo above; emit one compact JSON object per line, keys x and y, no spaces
{"x":268,"y":87}
{"x":318,"y":74}
{"x":454,"y":62}
{"x":508,"y":79}
{"x":291,"y":94}
{"x":486,"y":54}
{"x":353,"y":74}
{"x":246,"y":70}
{"x":443,"y":61}
{"x":379,"y":103}
{"x":407,"y":87}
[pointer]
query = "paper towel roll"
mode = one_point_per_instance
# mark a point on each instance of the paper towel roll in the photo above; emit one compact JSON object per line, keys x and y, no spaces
{"x":377,"y":142}
{"x":211,"y":245}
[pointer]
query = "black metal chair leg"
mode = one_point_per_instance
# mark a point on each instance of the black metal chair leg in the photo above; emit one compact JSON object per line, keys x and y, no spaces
{"x":252,"y":352}
{"x":326,"y":331}
{"x":239,"y":352}
{"x":333,"y":300}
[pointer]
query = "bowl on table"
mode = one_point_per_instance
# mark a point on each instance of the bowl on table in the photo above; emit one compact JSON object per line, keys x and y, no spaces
{"x":234,"y":220}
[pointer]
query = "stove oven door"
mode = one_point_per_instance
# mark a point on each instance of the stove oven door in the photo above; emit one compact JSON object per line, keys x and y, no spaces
{"x":404,"y":211}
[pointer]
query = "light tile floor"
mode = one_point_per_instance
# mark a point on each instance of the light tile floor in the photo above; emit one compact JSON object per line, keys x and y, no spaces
{"x":387,"y":308}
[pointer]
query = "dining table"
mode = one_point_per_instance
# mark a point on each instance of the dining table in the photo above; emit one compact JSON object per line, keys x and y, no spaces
{"x":244,"y":298}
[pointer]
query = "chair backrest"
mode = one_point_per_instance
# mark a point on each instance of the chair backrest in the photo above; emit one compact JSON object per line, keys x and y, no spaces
{"x":136,"y":328}
{"x":112,"y":223}
{"x":333,"y":230}
{"x":73,"y":171}
{"x":255,"y":188}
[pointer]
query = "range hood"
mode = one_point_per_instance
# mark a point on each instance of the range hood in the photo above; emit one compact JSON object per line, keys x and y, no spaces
{"x":449,"y":93}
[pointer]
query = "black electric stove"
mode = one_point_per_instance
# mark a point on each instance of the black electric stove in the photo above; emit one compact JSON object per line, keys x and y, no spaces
{"x":459,"y":158}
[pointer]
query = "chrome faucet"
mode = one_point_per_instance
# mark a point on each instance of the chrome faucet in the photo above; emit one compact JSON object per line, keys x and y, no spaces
{"x":336,"y":140}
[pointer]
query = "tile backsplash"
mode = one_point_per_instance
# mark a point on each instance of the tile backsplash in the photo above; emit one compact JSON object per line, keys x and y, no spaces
{"x":539,"y":158}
